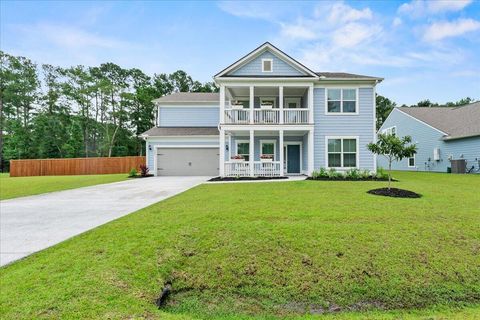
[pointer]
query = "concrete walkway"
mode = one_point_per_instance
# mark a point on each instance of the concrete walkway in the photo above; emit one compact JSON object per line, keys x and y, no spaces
{"x":31,"y":224}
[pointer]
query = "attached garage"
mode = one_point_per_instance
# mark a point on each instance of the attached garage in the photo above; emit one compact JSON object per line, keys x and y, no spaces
{"x":189,"y":161}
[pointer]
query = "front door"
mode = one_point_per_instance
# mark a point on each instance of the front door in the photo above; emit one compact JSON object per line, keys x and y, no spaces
{"x":293,"y":158}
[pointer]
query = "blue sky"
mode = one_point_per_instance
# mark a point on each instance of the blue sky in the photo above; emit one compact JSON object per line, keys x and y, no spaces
{"x":423,"y":49}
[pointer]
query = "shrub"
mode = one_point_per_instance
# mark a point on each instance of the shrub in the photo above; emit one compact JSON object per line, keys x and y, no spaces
{"x":133,"y":173}
{"x":319,"y":174}
{"x":381,"y":174}
{"x":365,"y":174}
{"x":333,"y":174}
{"x":353,"y":174}
{"x":144,"y":170}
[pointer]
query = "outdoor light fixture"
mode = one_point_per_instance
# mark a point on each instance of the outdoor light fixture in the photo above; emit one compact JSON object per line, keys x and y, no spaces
{"x":149,"y":147}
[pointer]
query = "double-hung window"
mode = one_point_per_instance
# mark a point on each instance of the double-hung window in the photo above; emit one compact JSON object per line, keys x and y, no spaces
{"x":268,"y":149}
{"x":390,"y":131}
{"x":411,"y":162}
{"x":342,"y":101}
{"x":243,"y":149}
{"x":342,"y":152}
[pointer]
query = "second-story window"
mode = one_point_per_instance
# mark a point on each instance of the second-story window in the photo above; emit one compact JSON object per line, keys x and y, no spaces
{"x":267,"y":65}
{"x":342,"y":101}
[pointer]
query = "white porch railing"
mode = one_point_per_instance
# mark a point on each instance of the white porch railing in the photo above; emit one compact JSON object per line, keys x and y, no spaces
{"x":260,"y":169}
{"x":237,"y":116}
{"x":295,"y":116}
{"x":266,"y":169}
{"x":266,"y":116}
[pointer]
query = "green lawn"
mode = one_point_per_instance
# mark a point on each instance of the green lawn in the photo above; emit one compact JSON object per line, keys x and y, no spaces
{"x":283,"y":249}
{"x":27,"y":186}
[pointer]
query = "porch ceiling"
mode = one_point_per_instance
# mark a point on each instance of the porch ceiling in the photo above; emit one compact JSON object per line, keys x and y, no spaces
{"x":267,"y":133}
{"x":266,"y":91}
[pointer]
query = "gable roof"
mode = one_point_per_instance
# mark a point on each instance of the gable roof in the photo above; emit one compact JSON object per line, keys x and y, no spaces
{"x":457,"y":122}
{"x":266,"y":46}
{"x":190,"y":97}
{"x":345,"y":76}
{"x":180,"y":131}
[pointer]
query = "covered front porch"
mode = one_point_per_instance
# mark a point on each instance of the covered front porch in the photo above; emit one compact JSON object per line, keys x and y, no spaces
{"x":266,"y":153}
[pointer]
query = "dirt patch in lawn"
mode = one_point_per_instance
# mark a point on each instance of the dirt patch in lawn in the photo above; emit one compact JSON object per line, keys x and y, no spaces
{"x":394,"y":192}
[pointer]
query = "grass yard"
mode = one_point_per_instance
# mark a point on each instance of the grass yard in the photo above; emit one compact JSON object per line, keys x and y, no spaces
{"x":280,"y":249}
{"x":28,"y":186}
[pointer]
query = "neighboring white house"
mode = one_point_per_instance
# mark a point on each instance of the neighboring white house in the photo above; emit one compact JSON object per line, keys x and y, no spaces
{"x":441,"y":134}
{"x":272,"y":117}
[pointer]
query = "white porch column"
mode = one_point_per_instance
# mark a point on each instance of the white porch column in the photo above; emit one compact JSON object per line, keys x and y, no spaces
{"x":222,"y":104}
{"x":230,"y":147}
{"x":310,"y":104}
{"x":310,"y":153}
{"x":252,"y":103}
{"x":221,"y":164}
{"x":280,"y":142}
{"x":251,"y":153}
{"x":280,"y":102}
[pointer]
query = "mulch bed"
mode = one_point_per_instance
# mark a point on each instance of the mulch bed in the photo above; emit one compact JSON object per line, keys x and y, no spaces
{"x":350,"y":179}
{"x":140,"y":177}
{"x":394,"y":192}
{"x":245,"y":178}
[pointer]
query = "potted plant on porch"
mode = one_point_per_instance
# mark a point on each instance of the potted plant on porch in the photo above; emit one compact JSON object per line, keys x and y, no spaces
{"x":266,"y":158}
{"x":237,"y":158}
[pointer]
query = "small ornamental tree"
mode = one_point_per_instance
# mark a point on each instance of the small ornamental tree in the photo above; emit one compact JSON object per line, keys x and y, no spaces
{"x":393,"y":148}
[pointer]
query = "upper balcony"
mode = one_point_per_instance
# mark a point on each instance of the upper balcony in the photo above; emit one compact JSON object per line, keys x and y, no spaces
{"x":262,"y":105}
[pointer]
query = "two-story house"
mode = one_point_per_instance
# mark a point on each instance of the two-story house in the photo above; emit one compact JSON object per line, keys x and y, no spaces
{"x":273,"y":116}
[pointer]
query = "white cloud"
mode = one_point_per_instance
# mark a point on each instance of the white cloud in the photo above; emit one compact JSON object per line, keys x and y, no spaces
{"x":298,"y":31}
{"x":419,"y":8}
{"x":352,"y":34}
{"x":444,"y":6}
{"x":69,"y":37}
{"x":441,"y":30}
{"x":342,"y":13}
{"x":396,"y":22}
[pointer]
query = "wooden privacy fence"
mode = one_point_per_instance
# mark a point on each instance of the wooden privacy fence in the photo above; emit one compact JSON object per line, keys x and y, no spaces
{"x":73,"y":166}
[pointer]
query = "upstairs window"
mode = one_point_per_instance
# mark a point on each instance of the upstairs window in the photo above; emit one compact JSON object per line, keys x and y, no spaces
{"x":342,"y":101}
{"x":267,"y":65}
{"x":390,"y":131}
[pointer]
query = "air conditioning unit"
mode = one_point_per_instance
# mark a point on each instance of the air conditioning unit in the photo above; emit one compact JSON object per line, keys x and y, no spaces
{"x":436,"y":154}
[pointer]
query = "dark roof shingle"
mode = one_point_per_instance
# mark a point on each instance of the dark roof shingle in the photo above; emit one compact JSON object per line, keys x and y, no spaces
{"x":190,"y":97}
{"x":181,"y":131}
{"x":457,"y":122}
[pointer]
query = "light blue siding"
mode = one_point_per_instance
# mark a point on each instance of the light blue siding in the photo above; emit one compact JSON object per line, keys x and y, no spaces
{"x":254,"y":67}
{"x":427,"y":139}
{"x":189,"y":116}
{"x":360,"y":125}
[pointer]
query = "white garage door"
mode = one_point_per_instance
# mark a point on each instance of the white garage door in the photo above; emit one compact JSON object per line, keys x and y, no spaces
{"x":187,"y":161}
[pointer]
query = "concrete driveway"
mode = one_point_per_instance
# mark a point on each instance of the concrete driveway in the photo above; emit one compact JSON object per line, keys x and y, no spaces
{"x":31,"y":224}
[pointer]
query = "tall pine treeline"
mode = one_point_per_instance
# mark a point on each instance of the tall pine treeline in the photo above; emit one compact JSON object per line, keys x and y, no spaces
{"x":53,"y":112}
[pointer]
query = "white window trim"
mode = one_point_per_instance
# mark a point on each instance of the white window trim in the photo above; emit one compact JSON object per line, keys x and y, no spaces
{"x":243,"y":99}
{"x":288,"y":100}
{"x":357,"y":153}
{"x":271,"y":65}
{"x":389,"y":130}
{"x":236,"y":147}
{"x":341,"y":113}
{"x":269,"y":98}
{"x":275,"y":156}
{"x":414,"y":162}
